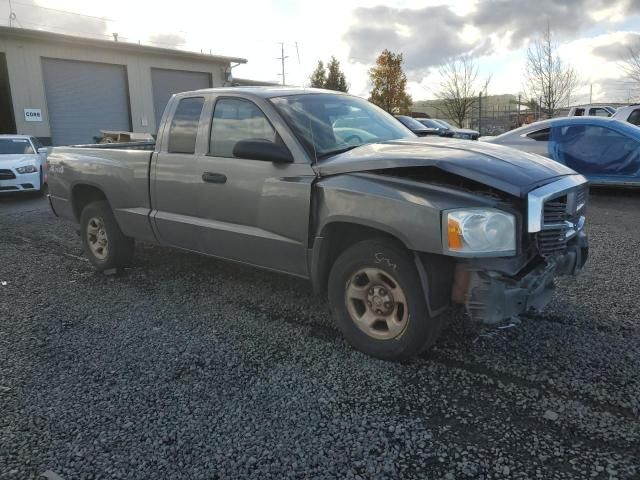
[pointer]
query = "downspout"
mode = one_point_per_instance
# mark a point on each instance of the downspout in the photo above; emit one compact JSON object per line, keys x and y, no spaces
{"x":228,"y":80}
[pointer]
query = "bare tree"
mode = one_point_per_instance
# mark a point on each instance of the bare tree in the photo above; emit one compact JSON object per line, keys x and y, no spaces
{"x":458,"y":91}
{"x":549,"y":80}
{"x":631,"y":64}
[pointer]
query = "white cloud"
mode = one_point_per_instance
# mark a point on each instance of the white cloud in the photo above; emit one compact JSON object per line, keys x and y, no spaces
{"x":252,"y":29}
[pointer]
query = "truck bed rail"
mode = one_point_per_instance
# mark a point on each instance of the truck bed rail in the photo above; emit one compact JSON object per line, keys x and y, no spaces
{"x":120,"y":146}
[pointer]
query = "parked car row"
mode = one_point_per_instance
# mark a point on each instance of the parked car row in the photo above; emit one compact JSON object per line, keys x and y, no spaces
{"x":430,"y":126}
{"x":448,"y":130}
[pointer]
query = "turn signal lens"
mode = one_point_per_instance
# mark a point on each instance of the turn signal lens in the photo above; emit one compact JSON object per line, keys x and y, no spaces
{"x":455,"y":235}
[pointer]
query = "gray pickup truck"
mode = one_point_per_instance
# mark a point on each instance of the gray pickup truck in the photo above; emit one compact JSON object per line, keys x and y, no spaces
{"x":395,"y":229}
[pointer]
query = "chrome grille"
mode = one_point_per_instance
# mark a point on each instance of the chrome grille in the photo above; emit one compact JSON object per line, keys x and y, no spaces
{"x":560,"y":217}
{"x":555,"y":211}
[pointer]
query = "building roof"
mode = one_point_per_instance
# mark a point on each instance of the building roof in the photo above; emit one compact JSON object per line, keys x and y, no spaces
{"x":112,"y":44}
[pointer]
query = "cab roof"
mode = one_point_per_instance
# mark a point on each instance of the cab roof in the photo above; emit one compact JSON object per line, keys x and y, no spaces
{"x":262,"y":91}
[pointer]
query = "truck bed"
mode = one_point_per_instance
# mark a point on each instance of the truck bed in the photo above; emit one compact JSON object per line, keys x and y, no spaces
{"x":121,"y":171}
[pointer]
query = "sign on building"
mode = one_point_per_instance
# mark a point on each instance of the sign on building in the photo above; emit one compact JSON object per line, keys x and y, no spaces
{"x":32,"y":115}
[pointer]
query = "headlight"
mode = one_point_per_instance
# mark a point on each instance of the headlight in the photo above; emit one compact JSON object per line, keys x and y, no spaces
{"x":27,"y":169}
{"x":479,"y":231}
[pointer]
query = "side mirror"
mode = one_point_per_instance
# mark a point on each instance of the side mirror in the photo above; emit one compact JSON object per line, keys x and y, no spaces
{"x":262,"y":150}
{"x":43,"y":150}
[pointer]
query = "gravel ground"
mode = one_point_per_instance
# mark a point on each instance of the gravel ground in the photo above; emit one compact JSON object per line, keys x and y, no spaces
{"x":187,"y":367}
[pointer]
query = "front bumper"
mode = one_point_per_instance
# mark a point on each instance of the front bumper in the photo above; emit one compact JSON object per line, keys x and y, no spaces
{"x":492,"y":296}
{"x":25,"y":182}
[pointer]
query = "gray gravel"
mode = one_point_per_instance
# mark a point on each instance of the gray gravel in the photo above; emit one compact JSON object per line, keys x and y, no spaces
{"x":187,"y":367}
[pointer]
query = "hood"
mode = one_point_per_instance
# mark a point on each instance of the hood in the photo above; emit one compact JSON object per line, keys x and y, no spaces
{"x":18,"y":159}
{"x":503,"y":168}
{"x":425,"y":131}
{"x":467,"y":130}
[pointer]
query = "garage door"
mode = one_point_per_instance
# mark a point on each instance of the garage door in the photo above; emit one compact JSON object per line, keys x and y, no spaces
{"x":84,"y":98}
{"x":167,"y":82}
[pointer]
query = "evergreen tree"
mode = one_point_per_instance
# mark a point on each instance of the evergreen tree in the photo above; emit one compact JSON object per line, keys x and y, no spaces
{"x":389,"y":82}
{"x":319,"y":76}
{"x":335,"y":77}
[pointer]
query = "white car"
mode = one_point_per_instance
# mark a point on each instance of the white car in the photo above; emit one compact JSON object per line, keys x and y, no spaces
{"x":22,"y":164}
{"x":629,"y":114}
{"x":592,"y":111}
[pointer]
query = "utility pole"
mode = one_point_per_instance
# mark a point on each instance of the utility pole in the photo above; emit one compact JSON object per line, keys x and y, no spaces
{"x":281,"y":58}
{"x":480,"y":113}
{"x":12,"y":14}
{"x":540,"y":108}
{"x":591,"y":93}
{"x":519,"y":124}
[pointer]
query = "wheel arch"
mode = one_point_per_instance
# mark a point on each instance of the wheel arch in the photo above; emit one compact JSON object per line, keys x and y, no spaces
{"x":336,"y":236}
{"x":82,"y":194}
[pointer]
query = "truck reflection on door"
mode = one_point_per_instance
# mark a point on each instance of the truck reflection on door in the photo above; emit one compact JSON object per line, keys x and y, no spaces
{"x":7,"y":120}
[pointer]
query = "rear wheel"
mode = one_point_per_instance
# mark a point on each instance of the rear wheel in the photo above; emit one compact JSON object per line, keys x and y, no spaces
{"x":104,"y":243}
{"x":378,"y":301}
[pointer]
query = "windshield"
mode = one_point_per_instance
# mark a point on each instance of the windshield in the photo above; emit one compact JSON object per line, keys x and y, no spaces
{"x":15,"y":146}
{"x":328,"y":124}
{"x":410,"y":122}
{"x":427,"y":122}
{"x":444,"y":124}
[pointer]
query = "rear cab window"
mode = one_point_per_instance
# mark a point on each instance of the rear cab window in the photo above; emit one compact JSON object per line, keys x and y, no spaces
{"x":183,"y":131}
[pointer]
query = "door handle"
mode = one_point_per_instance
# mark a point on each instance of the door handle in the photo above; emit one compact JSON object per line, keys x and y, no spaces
{"x":214,"y":177}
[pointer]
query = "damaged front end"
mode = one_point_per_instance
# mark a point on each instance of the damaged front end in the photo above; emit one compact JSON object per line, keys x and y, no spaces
{"x":555,"y":244}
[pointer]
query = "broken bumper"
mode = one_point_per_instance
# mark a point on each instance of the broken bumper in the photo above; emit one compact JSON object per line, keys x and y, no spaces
{"x":491,"y":296}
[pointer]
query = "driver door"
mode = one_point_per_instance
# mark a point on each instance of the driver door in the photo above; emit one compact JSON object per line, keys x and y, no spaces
{"x":258,"y":210}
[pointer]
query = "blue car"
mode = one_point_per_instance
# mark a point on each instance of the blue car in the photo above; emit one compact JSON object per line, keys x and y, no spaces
{"x":605,"y":150}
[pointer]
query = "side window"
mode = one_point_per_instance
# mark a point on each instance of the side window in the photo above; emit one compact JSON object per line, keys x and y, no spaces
{"x":579,"y":112}
{"x":184,"y":125}
{"x":599,"y":112}
{"x":235,"y":120}
{"x":540,"y":135}
{"x":635,"y":117}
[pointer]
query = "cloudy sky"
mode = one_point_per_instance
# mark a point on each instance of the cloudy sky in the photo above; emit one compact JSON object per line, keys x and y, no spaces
{"x":592,"y":34}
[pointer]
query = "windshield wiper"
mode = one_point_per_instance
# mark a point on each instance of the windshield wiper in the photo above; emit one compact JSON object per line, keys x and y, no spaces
{"x":337,"y":151}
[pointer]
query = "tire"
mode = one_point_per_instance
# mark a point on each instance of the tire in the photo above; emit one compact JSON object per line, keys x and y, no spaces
{"x":406,"y":329}
{"x":98,"y":224}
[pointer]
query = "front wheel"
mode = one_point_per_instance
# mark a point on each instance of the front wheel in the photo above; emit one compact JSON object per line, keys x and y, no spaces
{"x":378,"y":301}
{"x":104,"y":244}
